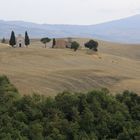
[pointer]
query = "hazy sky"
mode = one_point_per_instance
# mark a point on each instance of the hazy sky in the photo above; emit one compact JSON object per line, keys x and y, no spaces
{"x":68,"y":11}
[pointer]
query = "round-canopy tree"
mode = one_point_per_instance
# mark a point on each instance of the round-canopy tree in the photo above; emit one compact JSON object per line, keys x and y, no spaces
{"x":27,"y":39}
{"x":12,"y":41}
{"x":92,"y":45}
{"x":75,"y":45}
{"x":45,"y":40}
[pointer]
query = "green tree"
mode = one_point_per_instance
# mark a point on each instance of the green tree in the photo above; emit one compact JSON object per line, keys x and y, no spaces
{"x":5,"y":136}
{"x":12,"y":41}
{"x":27,"y":39}
{"x":92,"y":45}
{"x":75,"y":45}
{"x":36,"y":131}
{"x":124,"y":136}
{"x":54,"y":43}
{"x":83,"y":136}
{"x":97,"y":115}
{"x":45,"y":40}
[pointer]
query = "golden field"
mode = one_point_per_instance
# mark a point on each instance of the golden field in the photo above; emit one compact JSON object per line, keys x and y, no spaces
{"x":49,"y":71}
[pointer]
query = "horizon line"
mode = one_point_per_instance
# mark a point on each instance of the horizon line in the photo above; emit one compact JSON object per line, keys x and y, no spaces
{"x":67,"y":24}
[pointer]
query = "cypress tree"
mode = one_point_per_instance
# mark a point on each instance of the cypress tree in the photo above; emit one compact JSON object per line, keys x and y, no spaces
{"x":12,"y":41}
{"x":27,"y":40}
{"x":54,"y":43}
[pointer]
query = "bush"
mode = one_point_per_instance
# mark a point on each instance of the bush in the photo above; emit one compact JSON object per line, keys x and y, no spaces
{"x":75,"y":45}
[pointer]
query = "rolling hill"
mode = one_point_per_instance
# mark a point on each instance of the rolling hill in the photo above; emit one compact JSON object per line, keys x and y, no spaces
{"x":125,"y":30}
{"x":50,"y":71}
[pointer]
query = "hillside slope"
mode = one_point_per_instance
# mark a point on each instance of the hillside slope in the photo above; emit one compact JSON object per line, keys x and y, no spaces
{"x":49,"y":71}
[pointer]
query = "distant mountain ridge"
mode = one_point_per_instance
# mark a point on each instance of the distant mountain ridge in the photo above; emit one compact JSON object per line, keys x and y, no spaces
{"x":125,"y":30}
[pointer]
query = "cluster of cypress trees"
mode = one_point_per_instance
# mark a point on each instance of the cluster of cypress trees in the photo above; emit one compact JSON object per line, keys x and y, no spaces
{"x":12,"y":40}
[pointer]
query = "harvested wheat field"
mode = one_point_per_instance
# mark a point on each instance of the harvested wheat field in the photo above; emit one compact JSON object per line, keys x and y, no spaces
{"x":49,"y":71}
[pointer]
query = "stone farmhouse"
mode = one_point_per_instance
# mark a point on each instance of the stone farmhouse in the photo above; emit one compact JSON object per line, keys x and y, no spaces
{"x":63,"y":43}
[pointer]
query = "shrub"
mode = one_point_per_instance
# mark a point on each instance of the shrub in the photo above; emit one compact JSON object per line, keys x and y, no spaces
{"x":75,"y":45}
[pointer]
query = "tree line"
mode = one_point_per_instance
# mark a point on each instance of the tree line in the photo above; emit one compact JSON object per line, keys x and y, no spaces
{"x":95,"y":115}
{"x":91,"y":44}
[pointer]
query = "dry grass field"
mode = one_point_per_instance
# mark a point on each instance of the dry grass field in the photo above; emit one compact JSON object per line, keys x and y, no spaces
{"x":50,"y":71}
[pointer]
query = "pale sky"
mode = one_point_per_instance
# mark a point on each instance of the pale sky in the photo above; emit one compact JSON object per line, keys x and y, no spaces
{"x":81,"y":12}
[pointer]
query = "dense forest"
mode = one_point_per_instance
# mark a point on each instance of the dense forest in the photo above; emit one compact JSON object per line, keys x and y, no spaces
{"x":96,"y":115}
